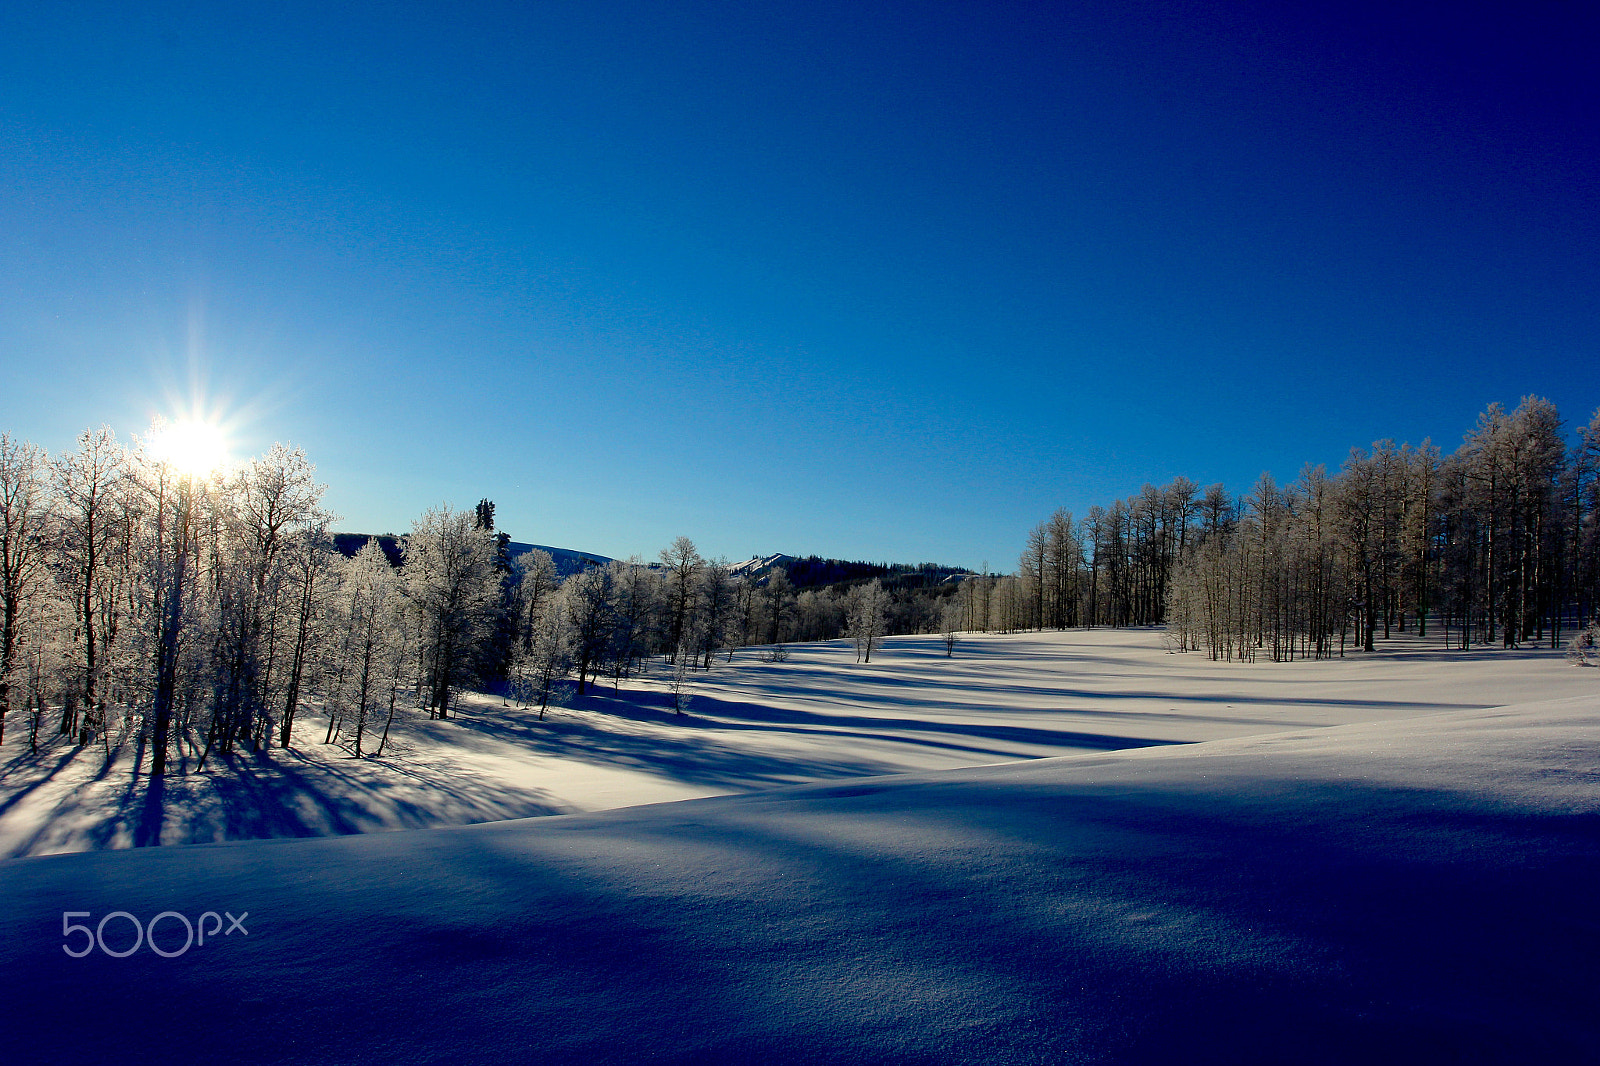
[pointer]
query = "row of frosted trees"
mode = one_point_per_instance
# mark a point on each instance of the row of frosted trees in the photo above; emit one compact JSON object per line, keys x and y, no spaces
{"x":606,"y":622}
{"x":1498,"y":542}
{"x":186,"y":613}
{"x":189,"y":615}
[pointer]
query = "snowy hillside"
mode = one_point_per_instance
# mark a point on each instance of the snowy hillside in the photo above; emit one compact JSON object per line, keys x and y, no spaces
{"x":1400,"y":891}
{"x":758,"y":566}
{"x":567,"y":560}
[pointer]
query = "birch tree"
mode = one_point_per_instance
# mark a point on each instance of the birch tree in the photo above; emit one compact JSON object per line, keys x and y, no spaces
{"x":370,"y":611}
{"x":309,"y":558}
{"x":535,"y":581}
{"x":176,"y":512}
{"x":869,"y":605}
{"x":24,"y":488}
{"x":590,"y":599}
{"x":271,"y":499}
{"x":683,"y":565}
{"x":634,"y":606}
{"x":87,"y":483}
{"x":451,"y":582}
{"x":545,"y":658}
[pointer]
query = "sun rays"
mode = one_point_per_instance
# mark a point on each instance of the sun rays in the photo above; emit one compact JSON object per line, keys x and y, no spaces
{"x":195,"y":447}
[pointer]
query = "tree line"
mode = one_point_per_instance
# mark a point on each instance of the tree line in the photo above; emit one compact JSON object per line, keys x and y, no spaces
{"x":192,"y":615}
{"x":1498,"y":542}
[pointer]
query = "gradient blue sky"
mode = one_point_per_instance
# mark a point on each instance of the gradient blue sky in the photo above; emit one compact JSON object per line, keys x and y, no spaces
{"x":887,"y":281}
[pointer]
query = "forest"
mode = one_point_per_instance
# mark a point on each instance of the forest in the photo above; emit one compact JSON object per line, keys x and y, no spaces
{"x":1496,"y":543}
{"x":192,"y":614}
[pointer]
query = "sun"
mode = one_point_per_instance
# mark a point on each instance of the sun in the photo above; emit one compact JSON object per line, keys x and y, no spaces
{"x":193,"y":447}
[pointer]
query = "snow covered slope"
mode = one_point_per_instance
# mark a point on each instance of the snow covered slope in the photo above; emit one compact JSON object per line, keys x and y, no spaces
{"x":567,"y":560}
{"x":1403,"y":891}
{"x":759,"y":565}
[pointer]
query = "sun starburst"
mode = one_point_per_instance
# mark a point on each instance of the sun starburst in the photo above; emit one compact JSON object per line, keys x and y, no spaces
{"x":193,"y":446}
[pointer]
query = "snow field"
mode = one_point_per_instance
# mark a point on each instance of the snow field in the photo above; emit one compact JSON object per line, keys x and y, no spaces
{"x":752,"y":725}
{"x":1414,"y":885}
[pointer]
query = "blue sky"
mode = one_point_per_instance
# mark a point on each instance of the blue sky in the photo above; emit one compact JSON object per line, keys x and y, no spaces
{"x":887,"y":281}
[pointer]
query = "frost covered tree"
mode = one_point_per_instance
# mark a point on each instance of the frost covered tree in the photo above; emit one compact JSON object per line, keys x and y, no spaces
{"x":262,"y":505}
{"x":371,"y":614}
{"x":777,"y":603}
{"x":309,"y":563}
{"x":277,"y":501}
{"x":546,"y":656}
{"x":818,"y":615}
{"x":590,"y":598}
{"x":1584,"y":647}
{"x":453,"y":587}
{"x":24,"y":512}
{"x":869,"y":606}
{"x":950,"y":618}
{"x":535,"y":579}
{"x":682,"y":664}
{"x":635,"y":600}
{"x":88,"y":481}
{"x":175,"y":508}
{"x":45,"y":658}
{"x":683,"y":566}
{"x":718,"y":604}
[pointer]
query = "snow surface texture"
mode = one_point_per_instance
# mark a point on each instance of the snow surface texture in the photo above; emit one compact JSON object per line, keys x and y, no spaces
{"x":1418,"y":887}
{"x":752,"y":725}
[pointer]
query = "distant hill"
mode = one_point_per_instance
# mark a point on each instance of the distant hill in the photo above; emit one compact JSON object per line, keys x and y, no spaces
{"x":348,"y":544}
{"x":760,"y":566}
{"x":810,"y":571}
{"x":813,"y":571}
{"x":568,"y":561}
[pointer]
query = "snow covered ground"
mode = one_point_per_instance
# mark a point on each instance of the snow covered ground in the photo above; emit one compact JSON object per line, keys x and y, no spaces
{"x":752,"y":725}
{"x":1387,"y":859}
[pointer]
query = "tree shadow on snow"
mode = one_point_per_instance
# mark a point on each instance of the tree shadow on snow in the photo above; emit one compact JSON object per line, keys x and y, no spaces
{"x":739,"y":715}
{"x":276,"y":793}
{"x":599,"y":735}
